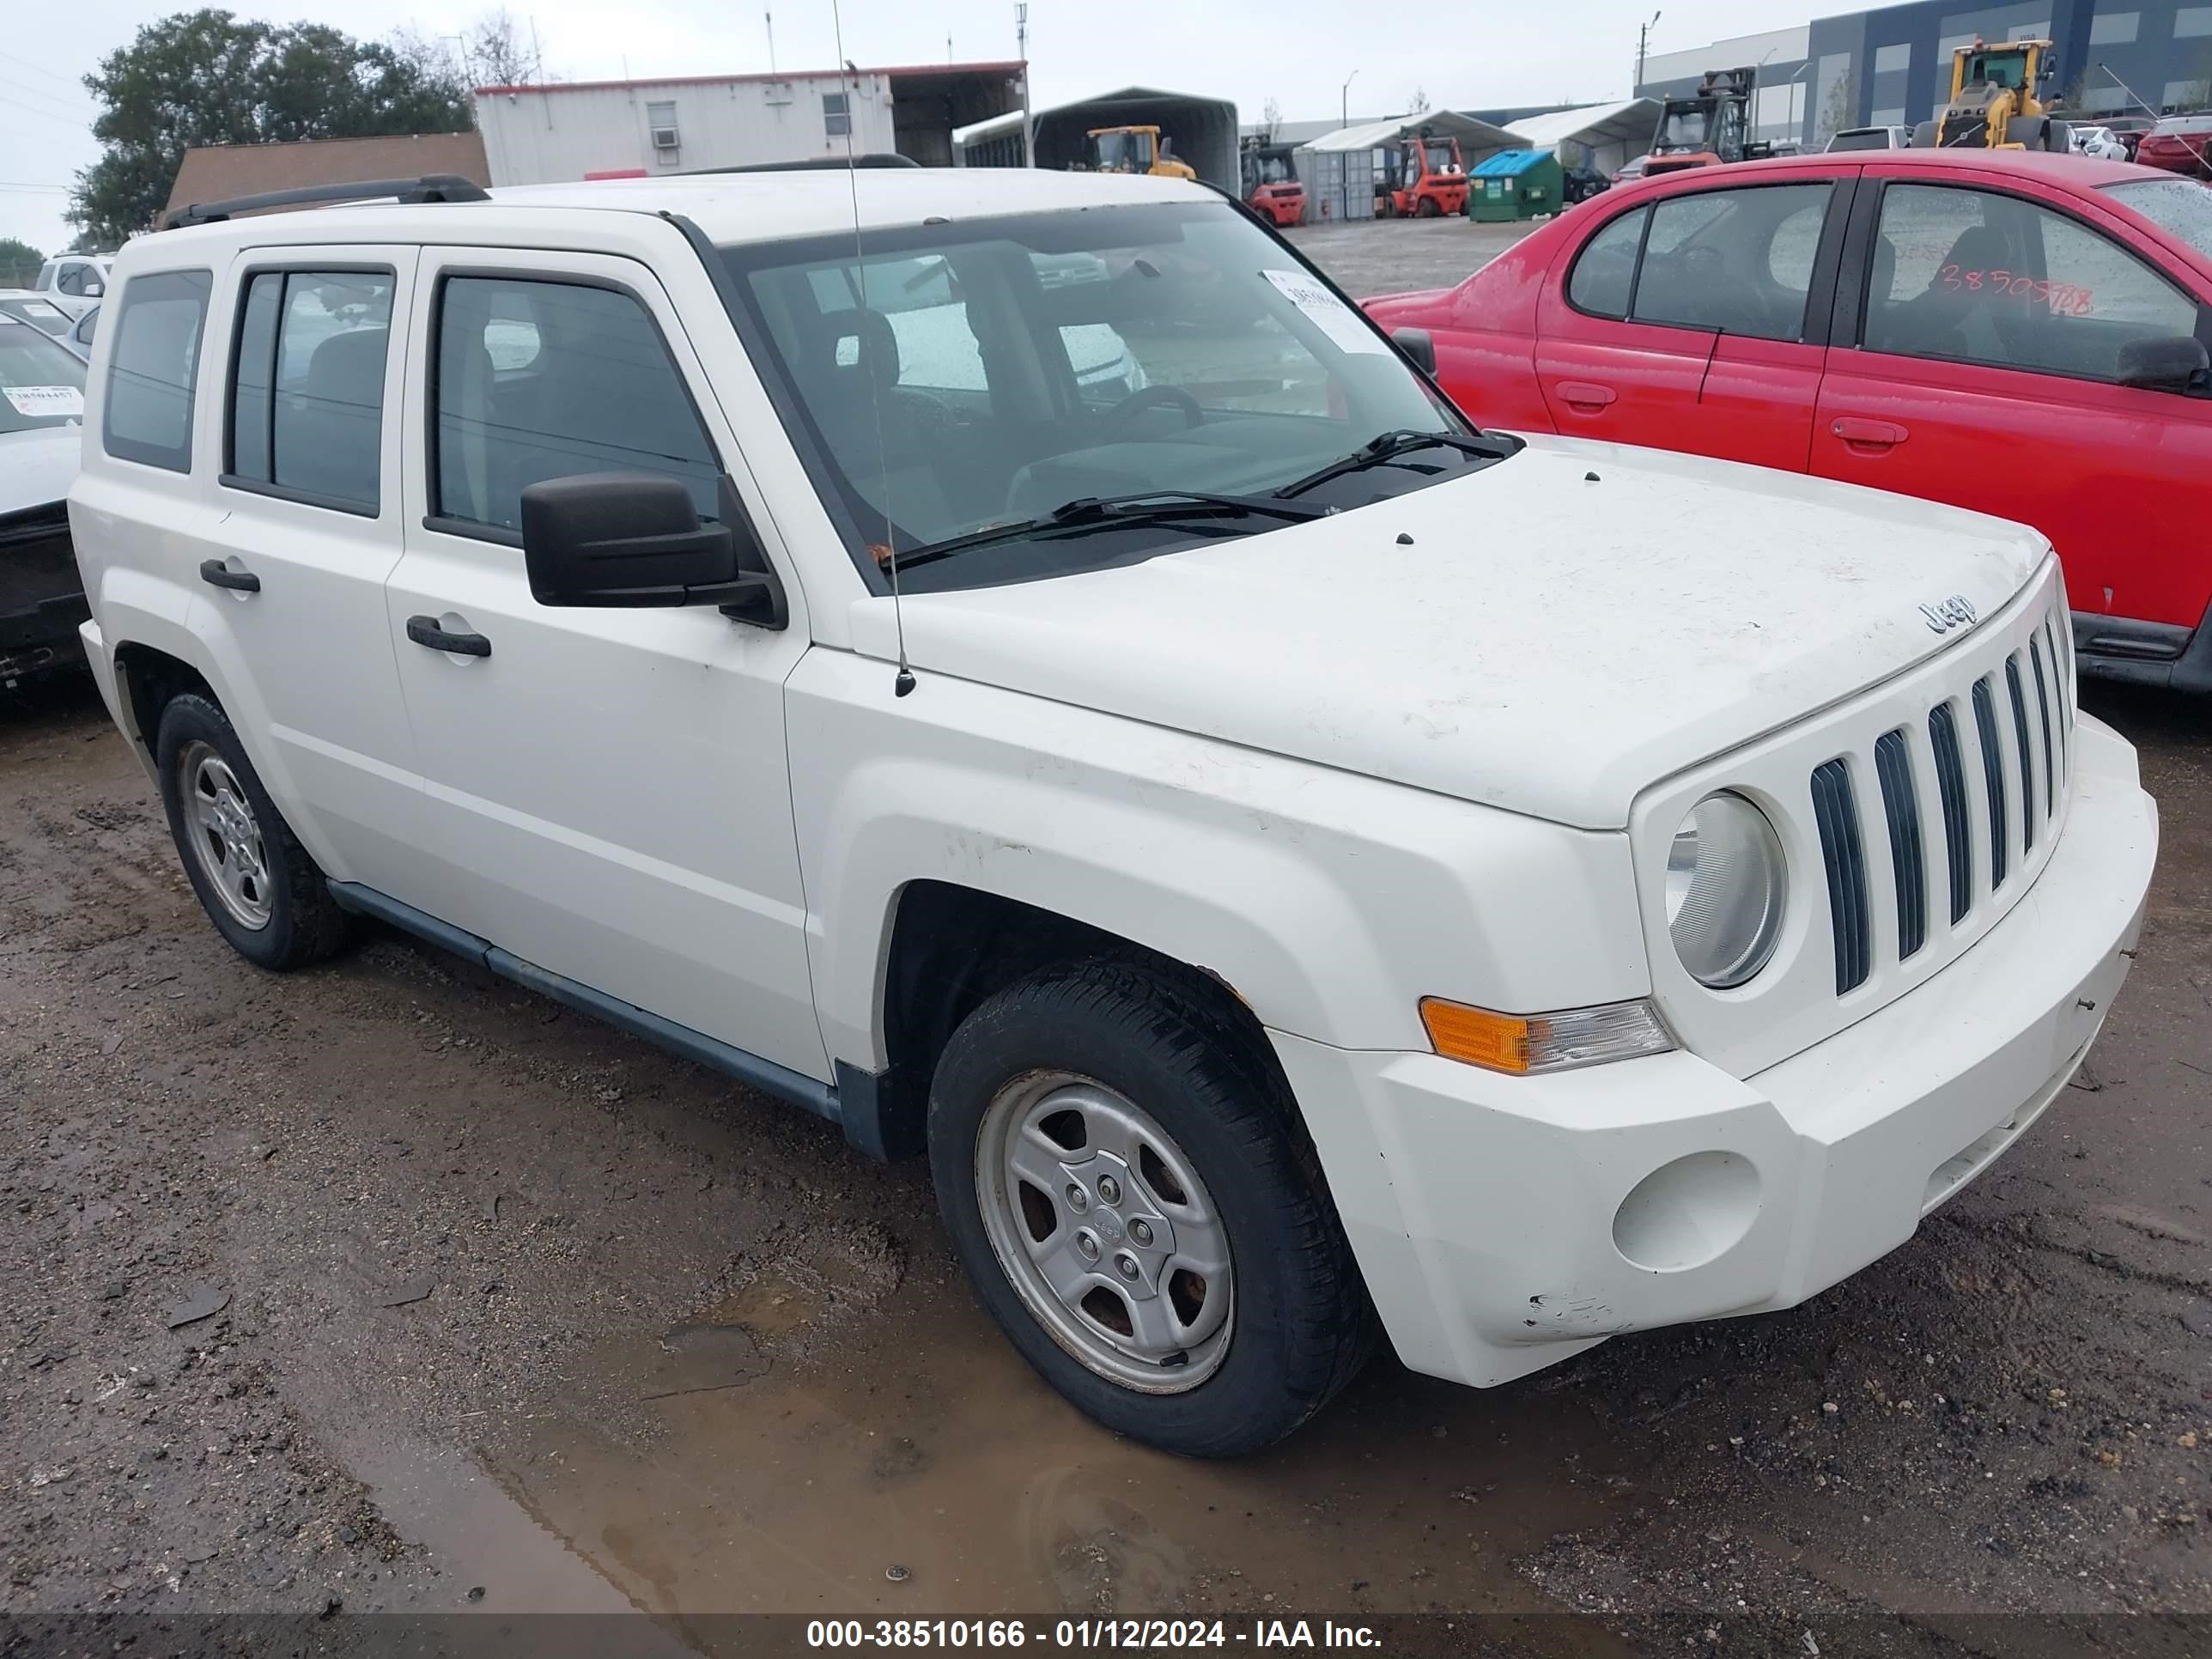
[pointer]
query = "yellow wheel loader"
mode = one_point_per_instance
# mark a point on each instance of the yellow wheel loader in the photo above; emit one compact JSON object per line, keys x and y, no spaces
{"x":1136,"y":149}
{"x":1996,"y":101}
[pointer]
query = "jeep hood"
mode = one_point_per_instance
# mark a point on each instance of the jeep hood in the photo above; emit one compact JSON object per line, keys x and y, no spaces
{"x":1549,"y":643}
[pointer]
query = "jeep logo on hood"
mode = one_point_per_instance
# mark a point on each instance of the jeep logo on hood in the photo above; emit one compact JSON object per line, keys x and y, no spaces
{"x":1956,"y":611}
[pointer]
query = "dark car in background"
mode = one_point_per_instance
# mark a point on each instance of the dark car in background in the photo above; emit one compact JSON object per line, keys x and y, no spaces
{"x":41,"y":422}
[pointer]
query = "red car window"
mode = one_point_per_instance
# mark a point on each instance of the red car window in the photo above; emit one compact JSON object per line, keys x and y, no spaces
{"x":1973,"y":276}
{"x":1739,"y":259}
{"x":1604,"y":277}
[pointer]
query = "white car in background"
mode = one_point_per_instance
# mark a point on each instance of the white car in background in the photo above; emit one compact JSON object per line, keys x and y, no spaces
{"x":40,"y":312}
{"x":2101,"y":142}
{"x":75,"y":282}
{"x":41,"y":438}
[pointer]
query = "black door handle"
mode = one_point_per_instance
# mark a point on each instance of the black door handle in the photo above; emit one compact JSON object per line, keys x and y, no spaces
{"x":424,"y":630}
{"x":215,"y":573}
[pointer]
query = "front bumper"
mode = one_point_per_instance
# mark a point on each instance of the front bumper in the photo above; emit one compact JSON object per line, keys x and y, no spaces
{"x":1505,"y":1223}
{"x":41,"y":600}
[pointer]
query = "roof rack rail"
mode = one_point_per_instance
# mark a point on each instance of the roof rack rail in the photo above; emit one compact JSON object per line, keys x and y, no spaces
{"x":811,"y":164}
{"x":432,"y":187}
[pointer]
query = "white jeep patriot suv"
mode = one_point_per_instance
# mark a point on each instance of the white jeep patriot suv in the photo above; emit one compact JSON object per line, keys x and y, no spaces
{"x":1293,"y":860}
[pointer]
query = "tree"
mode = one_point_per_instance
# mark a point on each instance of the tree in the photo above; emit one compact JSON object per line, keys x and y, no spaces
{"x":1419,"y":103}
{"x":1271,"y":118}
{"x":209,"y":77}
{"x":1840,"y":110}
{"x":497,"y":52}
{"x":19,"y":263}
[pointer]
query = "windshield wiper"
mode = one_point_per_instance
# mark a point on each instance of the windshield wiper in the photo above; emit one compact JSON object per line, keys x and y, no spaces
{"x":1103,"y":512}
{"x":1387,"y":447}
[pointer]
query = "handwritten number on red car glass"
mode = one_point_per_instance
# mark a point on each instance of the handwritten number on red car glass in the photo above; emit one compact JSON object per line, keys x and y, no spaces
{"x":2064,"y":299}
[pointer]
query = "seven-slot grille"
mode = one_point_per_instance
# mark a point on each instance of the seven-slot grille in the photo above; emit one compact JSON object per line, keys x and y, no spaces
{"x":1995,"y":750}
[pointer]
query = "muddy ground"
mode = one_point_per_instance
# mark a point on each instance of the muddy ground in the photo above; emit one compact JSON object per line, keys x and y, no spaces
{"x":388,"y":1287}
{"x":1393,"y":256}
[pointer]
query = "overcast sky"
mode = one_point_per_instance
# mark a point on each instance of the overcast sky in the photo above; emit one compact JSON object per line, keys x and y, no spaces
{"x":1295,"y":51}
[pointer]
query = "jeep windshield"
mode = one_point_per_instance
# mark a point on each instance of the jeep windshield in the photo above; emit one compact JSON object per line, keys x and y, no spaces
{"x":966,"y":376}
{"x":41,"y":383}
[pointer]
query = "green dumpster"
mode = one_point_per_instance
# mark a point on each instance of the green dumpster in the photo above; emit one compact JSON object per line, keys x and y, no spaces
{"x":1515,"y":184}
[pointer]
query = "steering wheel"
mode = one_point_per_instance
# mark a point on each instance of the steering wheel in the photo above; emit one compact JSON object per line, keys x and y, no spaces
{"x":1192,"y":412}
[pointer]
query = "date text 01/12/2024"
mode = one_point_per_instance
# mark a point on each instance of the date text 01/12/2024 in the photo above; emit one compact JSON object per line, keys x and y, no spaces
{"x":1086,"y":1633}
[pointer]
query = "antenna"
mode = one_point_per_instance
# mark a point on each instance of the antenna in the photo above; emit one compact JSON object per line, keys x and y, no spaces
{"x":769,"y":17}
{"x":2128,"y":89}
{"x":903,"y":682}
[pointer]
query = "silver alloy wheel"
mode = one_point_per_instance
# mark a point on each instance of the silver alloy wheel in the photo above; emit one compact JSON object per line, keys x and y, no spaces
{"x":1105,"y":1231}
{"x":223,"y":835}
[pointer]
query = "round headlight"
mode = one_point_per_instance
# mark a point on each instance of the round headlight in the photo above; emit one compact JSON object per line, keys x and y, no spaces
{"x":1724,"y":890}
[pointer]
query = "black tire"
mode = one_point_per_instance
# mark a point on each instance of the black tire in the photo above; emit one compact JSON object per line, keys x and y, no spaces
{"x":1428,"y":208}
{"x":305,"y":924}
{"x":1301,"y":1325}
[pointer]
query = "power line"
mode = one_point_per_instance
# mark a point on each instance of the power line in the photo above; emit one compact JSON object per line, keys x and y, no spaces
{"x":71,"y":82}
{"x":30,"y":91}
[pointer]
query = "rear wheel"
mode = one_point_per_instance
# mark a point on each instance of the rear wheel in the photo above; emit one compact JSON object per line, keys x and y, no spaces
{"x":1125,"y":1179}
{"x":1428,"y":208}
{"x":257,"y":884}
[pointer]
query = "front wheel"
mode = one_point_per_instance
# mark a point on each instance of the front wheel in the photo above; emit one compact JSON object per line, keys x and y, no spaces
{"x":1126,"y":1181}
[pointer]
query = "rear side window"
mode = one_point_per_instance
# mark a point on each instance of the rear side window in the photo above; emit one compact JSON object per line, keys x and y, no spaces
{"x":545,"y":379}
{"x":1738,"y":260}
{"x":154,"y":366}
{"x":1605,"y":277}
{"x":306,"y":397}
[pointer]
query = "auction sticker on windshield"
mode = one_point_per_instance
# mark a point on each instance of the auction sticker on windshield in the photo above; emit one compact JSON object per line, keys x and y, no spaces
{"x":1328,"y":313}
{"x":46,"y":401}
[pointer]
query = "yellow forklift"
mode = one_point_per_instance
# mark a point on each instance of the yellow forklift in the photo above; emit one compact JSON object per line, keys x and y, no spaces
{"x":1996,"y":101}
{"x":1136,"y":149}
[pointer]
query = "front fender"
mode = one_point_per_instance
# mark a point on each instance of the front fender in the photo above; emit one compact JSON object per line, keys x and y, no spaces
{"x":1330,"y":903}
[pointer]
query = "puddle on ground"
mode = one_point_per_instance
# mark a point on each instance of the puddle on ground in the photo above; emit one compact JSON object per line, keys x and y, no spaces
{"x":925,"y":1444}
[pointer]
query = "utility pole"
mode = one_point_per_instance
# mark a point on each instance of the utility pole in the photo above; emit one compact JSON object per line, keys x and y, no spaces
{"x":769,"y":17}
{"x":1022,"y":52}
{"x":1642,"y":43}
{"x":1344,"y":99}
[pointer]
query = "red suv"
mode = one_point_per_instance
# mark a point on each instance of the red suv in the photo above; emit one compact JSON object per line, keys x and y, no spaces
{"x":2022,"y":334}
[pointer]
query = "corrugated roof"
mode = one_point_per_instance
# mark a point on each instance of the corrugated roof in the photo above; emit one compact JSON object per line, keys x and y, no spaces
{"x":1007,"y":66}
{"x":1509,"y":163}
{"x":217,"y":172}
{"x":1634,"y":121}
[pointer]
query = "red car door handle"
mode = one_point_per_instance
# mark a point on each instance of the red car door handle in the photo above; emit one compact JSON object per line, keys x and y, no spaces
{"x":1866,"y":435}
{"x":1585,"y":395}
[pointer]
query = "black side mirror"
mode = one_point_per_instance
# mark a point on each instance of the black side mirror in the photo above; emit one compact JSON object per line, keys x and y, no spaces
{"x":633,"y":539}
{"x":2174,"y":362}
{"x":1418,"y":344}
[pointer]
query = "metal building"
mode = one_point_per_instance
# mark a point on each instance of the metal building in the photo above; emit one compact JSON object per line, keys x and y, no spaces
{"x":1600,"y":136}
{"x":583,"y":129}
{"x":1340,"y":169}
{"x":1892,"y":66}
